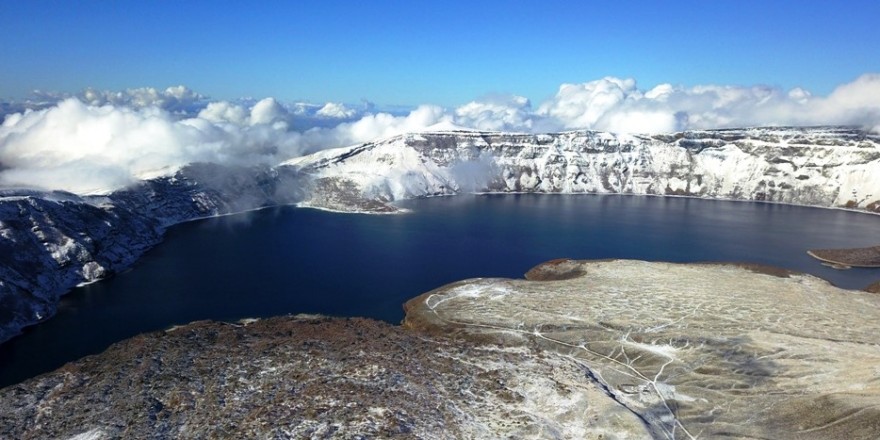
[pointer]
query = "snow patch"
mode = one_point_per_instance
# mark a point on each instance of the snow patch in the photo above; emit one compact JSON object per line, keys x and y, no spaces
{"x":92,"y":434}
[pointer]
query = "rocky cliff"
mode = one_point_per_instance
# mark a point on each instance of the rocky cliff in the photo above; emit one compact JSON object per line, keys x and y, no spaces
{"x":52,"y":241}
{"x":826,"y":166}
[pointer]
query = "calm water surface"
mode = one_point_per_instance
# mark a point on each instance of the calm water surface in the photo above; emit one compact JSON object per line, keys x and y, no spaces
{"x":287,"y":260}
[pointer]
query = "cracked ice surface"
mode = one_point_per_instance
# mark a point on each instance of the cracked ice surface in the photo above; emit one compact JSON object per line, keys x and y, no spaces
{"x":696,"y":350}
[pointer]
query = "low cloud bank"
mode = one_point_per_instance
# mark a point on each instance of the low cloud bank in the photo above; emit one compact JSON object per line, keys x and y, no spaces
{"x":618,"y":105}
{"x":613,"y":104}
{"x":86,"y":148}
{"x":98,"y":141}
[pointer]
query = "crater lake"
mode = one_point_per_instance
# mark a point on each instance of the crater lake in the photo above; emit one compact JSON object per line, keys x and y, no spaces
{"x":288,"y":260}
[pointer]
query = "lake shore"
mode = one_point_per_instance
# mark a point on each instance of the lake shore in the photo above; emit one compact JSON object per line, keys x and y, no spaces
{"x":849,"y":257}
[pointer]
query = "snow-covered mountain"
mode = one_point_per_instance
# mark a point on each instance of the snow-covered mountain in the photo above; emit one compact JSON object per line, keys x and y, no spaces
{"x":52,"y":241}
{"x":826,"y":166}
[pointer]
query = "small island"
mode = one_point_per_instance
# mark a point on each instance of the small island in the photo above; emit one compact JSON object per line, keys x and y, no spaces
{"x":846,"y":258}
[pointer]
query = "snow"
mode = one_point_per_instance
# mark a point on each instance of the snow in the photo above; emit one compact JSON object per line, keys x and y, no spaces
{"x":92,"y":434}
{"x":827,"y":167}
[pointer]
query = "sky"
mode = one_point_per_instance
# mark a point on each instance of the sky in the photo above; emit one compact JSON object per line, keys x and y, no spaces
{"x":95,"y":95}
{"x":439,"y":52}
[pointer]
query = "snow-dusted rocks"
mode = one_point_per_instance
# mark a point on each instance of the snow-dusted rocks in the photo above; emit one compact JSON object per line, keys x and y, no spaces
{"x":698,"y":351}
{"x":309,"y":377}
{"x":826,"y":166}
{"x":50,"y":242}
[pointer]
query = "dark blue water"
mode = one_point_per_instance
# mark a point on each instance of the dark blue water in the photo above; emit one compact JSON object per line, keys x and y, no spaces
{"x":288,"y":260}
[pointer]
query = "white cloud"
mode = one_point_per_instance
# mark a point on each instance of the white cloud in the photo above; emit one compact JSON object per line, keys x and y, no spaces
{"x":176,"y":99}
{"x":86,"y":148}
{"x":856,"y":103}
{"x":336,"y":111}
{"x":375,"y":126}
{"x":497,"y":113}
{"x":225,"y":112}
{"x":264,"y":111}
{"x":582,"y":105}
{"x":104,"y":140}
{"x":647,"y":121}
{"x":268,"y":111}
{"x":615,"y":104}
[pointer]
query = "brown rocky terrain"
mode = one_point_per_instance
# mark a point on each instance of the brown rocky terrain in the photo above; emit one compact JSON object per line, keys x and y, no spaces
{"x":312,"y":377}
{"x":853,"y":257}
{"x":873,"y":287}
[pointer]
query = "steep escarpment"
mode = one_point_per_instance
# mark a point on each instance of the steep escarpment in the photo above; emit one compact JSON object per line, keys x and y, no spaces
{"x":52,"y":241}
{"x":827,"y":166}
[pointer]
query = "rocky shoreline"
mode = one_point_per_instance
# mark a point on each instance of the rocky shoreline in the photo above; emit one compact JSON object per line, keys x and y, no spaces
{"x":580,"y":349}
{"x":846,"y":258}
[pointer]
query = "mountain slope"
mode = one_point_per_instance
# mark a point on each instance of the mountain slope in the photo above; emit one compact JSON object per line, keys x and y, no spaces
{"x":50,"y":242}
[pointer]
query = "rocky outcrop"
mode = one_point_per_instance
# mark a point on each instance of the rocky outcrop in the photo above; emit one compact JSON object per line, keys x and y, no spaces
{"x":846,"y":258}
{"x":602,"y":349}
{"x":52,"y":242}
{"x":824,"y":166}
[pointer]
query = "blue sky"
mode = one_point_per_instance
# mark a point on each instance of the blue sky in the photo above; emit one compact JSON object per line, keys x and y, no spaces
{"x":446,"y":53}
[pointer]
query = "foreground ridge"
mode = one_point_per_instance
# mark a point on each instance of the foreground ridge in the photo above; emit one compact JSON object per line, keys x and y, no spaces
{"x":583,"y":349}
{"x":696,"y":350}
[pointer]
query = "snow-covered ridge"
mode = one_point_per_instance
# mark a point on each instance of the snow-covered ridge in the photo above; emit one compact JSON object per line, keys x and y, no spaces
{"x":822,"y":166}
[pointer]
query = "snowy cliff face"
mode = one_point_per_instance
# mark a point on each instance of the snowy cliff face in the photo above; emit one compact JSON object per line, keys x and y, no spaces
{"x":827,"y":166}
{"x":50,"y":242}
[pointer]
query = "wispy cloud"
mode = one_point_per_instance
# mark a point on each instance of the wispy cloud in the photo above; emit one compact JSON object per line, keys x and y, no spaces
{"x":98,"y":140}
